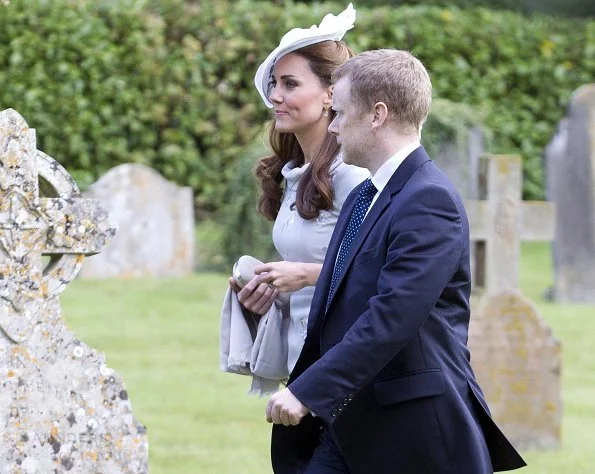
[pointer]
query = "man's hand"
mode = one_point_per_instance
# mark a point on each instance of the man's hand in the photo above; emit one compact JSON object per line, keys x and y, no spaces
{"x":284,"y":409}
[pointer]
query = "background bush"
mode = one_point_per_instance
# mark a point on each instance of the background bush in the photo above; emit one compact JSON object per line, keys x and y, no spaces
{"x":572,"y":8}
{"x":85,"y":76}
{"x":245,"y":232}
{"x":170,"y":83}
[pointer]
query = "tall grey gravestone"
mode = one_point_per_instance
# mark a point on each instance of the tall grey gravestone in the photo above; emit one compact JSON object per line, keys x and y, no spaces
{"x":62,"y":409}
{"x":570,"y":159}
{"x":459,"y":159}
{"x":159,"y":219}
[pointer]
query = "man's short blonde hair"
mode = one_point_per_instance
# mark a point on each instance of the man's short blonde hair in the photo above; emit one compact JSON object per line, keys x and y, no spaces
{"x":394,"y":77}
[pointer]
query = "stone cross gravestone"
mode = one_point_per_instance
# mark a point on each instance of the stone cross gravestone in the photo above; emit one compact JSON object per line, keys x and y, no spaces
{"x":500,"y":221}
{"x":570,"y":159}
{"x":159,"y":219}
{"x":62,"y":409}
{"x":517,"y":361}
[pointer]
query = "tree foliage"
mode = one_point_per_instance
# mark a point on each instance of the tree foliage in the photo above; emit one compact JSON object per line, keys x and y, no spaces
{"x":569,"y":8}
{"x":170,"y":83}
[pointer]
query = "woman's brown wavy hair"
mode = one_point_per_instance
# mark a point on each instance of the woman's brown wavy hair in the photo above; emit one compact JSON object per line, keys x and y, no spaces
{"x":314,"y":192}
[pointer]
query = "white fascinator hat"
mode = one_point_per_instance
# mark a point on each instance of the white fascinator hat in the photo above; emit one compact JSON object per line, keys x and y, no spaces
{"x":331,"y":28}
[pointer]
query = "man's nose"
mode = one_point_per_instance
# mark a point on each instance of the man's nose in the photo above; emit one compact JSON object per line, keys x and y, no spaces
{"x":332,"y":127}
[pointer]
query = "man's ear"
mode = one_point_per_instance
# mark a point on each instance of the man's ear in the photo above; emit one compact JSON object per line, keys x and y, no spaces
{"x":380,"y":115}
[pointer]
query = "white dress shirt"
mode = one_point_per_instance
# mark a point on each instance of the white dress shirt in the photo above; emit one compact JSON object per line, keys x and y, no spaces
{"x":383,"y":175}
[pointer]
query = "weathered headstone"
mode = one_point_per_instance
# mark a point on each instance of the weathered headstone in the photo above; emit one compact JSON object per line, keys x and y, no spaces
{"x":62,"y":409}
{"x":518,"y":361}
{"x":571,"y":179}
{"x":159,"y":219}
{"x":515,"y":356}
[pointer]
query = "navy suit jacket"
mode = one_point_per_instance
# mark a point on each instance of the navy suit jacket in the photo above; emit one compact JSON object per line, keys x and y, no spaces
{"x":386,"y":366}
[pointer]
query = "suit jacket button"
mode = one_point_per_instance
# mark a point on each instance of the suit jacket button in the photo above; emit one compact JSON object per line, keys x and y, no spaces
{"x":334,"y":413}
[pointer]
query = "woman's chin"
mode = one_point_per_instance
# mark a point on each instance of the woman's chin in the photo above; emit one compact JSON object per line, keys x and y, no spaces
{"x":282,"y":128}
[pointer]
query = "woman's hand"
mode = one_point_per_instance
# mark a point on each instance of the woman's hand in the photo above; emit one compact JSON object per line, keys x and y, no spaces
{"x":289,"y":276}
{"x":256,"y":296}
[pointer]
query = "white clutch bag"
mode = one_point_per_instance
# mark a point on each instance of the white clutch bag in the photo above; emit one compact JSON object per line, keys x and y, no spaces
{"x":243,"y":272}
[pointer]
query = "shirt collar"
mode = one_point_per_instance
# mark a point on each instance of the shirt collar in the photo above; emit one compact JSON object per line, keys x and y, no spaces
{"x":385,"y":172}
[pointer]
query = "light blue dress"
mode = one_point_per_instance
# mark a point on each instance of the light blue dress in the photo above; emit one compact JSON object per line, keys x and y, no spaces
{"x":300,"y":240}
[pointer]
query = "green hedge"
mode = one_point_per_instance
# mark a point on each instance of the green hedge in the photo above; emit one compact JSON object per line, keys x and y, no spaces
{"x":570,"y":8}
{"x":86,"y":78}
{"x":169,"y":83}
{"x":245,"y":232}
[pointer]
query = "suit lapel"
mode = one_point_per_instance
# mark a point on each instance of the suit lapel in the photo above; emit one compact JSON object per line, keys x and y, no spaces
{"x":413,"y":161}
{"x":324,"y":280}
{"x":375,"y":212}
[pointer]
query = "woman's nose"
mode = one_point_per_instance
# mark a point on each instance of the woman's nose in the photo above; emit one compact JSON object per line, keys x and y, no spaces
{"x":274,"y":95}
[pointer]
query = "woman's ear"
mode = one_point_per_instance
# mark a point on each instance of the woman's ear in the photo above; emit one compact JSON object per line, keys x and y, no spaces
{"x":328,"y":99}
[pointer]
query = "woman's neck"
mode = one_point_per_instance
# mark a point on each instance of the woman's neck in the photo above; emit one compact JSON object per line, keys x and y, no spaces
{"x":311,"y":140}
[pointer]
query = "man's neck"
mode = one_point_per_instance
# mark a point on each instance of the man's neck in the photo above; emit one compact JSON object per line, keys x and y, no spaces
{"x":389,"y":146}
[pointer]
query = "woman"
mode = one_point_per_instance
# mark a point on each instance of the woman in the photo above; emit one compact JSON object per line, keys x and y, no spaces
{"x":304,"y":182}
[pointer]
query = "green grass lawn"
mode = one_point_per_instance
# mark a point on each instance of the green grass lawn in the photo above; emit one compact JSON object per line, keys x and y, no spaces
{"x":162,"y":336}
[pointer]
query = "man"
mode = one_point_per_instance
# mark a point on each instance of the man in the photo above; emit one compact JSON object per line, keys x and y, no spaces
{"x":383,"y":384}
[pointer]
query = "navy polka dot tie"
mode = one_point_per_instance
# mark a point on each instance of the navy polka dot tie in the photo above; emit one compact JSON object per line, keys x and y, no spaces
{"x":364,"y":199}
